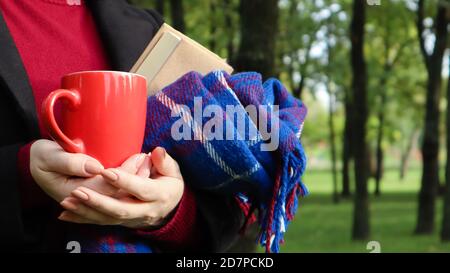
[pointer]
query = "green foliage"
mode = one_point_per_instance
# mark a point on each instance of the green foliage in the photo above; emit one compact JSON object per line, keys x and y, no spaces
{"x":392,"y":41}
{"x":307,"y":28}
{"x":199,"y":18}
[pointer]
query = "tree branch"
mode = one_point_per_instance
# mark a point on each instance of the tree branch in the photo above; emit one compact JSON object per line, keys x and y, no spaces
{"x":441,"y":23}
{"x":400,"y":51}
{"x":420,"y":30}
{"x":302,"y":68}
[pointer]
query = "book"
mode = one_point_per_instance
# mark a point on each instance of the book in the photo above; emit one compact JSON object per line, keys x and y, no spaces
{"x":170,"y":55}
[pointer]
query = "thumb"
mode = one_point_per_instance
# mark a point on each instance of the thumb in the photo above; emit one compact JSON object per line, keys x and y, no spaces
{"x":164,"y":164}
{"x":133,"y":163}
{"x":145,"y":169}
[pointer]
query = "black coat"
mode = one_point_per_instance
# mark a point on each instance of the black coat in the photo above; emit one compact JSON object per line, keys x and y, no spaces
{"x":125,"y":31}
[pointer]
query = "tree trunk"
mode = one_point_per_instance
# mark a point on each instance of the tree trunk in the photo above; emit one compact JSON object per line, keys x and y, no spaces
{"x":370,"y":162}
{"x":445,"y":231}
{"x":379,"y":149}
{"x":331,"y":110}
{"x":298,"y":89}
{"x":333,"y":145}
{"x":430,"y":173}
{"x":177,"y":13}
{"x":298,"y":92}
{"x":412,"y":139}
{"x":159,"y":5}
{"x":347,"y":146}
{"x":361,"y":228}
{"x":387,"y":68}
{"x":430,"y":146}
{"x":259,"y":25}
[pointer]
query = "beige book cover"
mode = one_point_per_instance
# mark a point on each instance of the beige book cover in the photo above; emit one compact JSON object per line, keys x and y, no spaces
{"x":172,"y":54}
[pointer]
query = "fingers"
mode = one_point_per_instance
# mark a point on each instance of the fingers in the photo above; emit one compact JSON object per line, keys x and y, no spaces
{"x":133,"y":163}
{"x":164,"y":164}
{"x":143,"y":189}
{"x":145,"y":169}
{"x":80,"y":213}
{"x":118,"y":209}
{"x":96,"y":183}
{"x":77,"y":212}
{"x":75,"y":218}
{"x":55,"y":159}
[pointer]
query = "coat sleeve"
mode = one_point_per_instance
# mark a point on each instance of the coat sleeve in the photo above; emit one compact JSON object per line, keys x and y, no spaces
{"x":223,"y":219}
{"x":11,"y":224}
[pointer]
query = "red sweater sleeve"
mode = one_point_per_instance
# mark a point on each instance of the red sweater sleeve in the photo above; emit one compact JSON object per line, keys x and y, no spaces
{"x":184,"y":231}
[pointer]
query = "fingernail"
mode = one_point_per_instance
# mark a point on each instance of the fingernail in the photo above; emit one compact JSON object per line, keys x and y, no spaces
{"x":164,"y":153}
{"x":62,"y":216}
{"x":110,"y":175}
{"x":140,"y":159}
{"x":68,"y":205}
{"x":144,"y":171}
{"x":92,"y":167}
{"x":80,"y":194}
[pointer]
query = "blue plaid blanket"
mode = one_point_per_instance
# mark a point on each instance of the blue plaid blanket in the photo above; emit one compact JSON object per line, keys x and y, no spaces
{"x":235,"y":135}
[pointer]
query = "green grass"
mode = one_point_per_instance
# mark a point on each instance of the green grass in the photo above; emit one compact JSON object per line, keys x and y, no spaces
{"x":322,"y":226}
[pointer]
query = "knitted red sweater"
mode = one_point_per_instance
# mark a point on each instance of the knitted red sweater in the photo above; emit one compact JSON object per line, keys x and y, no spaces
{"x":56,"y":37}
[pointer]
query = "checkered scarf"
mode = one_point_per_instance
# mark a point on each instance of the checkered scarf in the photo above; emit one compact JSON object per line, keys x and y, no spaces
{"x":185,"y":118}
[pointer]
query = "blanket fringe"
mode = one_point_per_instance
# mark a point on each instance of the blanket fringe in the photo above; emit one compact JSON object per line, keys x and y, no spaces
{"x":284,"y":202}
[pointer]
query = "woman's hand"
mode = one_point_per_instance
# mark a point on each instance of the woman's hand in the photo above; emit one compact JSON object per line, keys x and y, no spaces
{"x":142,"y":202}
{"x":58,"y":172}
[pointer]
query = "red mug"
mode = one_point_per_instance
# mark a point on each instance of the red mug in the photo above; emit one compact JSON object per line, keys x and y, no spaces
{"x":105,"y":115}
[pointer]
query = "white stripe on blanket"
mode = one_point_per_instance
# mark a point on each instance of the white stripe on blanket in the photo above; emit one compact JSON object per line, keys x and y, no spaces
{"x":187,"y":117}
{"x":223,"y":81}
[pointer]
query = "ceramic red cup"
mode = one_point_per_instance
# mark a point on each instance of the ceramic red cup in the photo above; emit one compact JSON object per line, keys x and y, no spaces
{"x":103,"y":116}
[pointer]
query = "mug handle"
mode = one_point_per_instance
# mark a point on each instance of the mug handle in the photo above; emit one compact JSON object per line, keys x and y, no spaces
{"x":48,"y":118}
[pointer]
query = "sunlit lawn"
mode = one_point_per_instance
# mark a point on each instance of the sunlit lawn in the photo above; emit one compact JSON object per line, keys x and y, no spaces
{"x":322,"y":226}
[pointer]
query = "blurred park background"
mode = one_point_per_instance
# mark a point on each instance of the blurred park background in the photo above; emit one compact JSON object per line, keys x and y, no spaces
{"x":374,"y":75}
